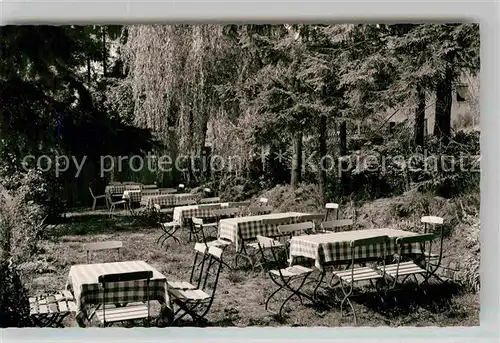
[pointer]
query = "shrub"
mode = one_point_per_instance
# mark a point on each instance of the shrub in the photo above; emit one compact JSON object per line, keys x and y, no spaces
{"x":14,"y":299}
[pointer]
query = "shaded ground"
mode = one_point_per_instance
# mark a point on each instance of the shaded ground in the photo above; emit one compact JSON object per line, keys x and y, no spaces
{"x":241,"y":295}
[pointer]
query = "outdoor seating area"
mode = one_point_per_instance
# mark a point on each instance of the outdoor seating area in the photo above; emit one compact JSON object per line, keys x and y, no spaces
{"x":245,"y":175}
{"x":306,"y":256}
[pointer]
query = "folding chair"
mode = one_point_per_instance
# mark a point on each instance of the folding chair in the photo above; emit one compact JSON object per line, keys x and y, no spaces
{"x":410,"y":268}
{"x":225,"y":213}
{"x":314,"y":218}
{"x":197,"y":302}
{"x":195,"y":278}
{"x":108,"y":315}
{"x":334,"y":225}
{"x":209,"y":200}
{"x":284,"y":278}
{"x":112,"y":204}
{"x":199,"y":233}
{"x":100,"y":246}
{"x":259,"y":210}
{"x":264,"y":201}
{"x":357,"y":274}
{"x":96,"y":197}
{"x":181,"y":187}
{"x":49,"y":310}
{"x":159,"y":211}
{"x":242,"y":205}
{"x":253,"y":245}
{"x":331,"y":207}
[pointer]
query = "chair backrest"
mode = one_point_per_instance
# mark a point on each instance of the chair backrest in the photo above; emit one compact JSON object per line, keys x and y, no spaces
{"x":123,"y":277}
{"x":212,"y":274}
{"x":431,"y":220}
{"x":98,"y":246}
{"x":267,"y":243}
{"x":294,"y":229}
{"x":264,"y":201}
{"x":91,"y":193}
{"x":209,"y":200}
{"x":331,"y":206}
{"x":311,"y":217}
{"x":181,"y":186}
{"x":239,"y":204}
{"x":196,"y":276}
{"x":222,"y":213}
{"x":167,"y":190}
{"x":197,"y":221}
{"x":367,"y":243}
{"x":334,"y":224}
{"x":260,"y":210}
{"x":209,"y":206}
{"x":185,"y":202}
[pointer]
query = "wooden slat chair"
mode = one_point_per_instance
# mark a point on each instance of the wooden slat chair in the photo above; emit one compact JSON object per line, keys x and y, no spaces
{"x":316,"y":219}
{"x":113,"y":204}
{"x":100,"y":246}
{"x":434,"y":258}
{"x":260,"y":210}
{"x":358,"y":274}
{"x":49,"y":310}
{"x":225,"y":213}
{"x":285,"y":234}
{"x":168,"y":228}
{"x":167,"y":190}
{"x":196,"y":276}
{"x":250,"y":247}
{"x":212,"y":200}
{"x":410,"y":268}
{"x":264,"y":201}
{"x":199,"y":232}
{"x":162,"y":212}
{"x":334,"y":225}
{"x":197,"y":302}
{"x":97,"y":197}
{"x":242,"y":205}
{"x":290,"y":278}
{"x":331,"y":206}
{"x":106,"y":315}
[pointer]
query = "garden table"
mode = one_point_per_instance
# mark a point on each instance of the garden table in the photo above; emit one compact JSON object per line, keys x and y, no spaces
{"x":184,"y":213}
{"x":334,"y":248}
{"x":83,"y":280}
{"x":168,"y":199}
{"x":240,"y":229}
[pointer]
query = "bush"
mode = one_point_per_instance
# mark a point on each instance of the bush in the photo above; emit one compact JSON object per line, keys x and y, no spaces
{"x":14,"y":299}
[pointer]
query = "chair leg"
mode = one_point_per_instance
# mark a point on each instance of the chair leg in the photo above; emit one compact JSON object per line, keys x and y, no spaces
{"x":93,"y":204}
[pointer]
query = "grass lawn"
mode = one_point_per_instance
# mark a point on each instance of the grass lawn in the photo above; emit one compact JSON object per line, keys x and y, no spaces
{"x":241,"y":294}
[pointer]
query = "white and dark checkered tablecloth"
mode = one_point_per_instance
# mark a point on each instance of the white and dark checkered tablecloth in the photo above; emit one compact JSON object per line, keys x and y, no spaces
{"x":83,"y":280}
{"x":335,"y":247}
{"x":245,"y":228}
{"x":184,"y":213}
{"x":168,"y":199}
{"x":132,"y":195}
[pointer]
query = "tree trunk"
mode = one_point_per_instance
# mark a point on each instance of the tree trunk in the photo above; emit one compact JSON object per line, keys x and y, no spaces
{"x":343,"y":152}
{"x":89,"y":70}
{"x":420,"y":117}
{"x":442,"y":124}
{"x":297,"y":160}
{"x":104,"y":52}
{"x":322,"y":153}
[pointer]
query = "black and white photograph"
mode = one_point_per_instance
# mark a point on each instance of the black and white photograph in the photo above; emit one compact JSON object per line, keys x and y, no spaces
{"x":240,"y":175}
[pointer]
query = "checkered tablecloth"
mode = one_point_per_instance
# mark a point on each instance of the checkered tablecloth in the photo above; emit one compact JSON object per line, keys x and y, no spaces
{"x":184,"y":213}
{"x":245,"y":228}
{"x":335,"y":247}
{"x":168,"y":199}
{"x":132,"y":195}
{"x":83,"y":280}
{"x":115,"y":189}
{"x":149,"y":186}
